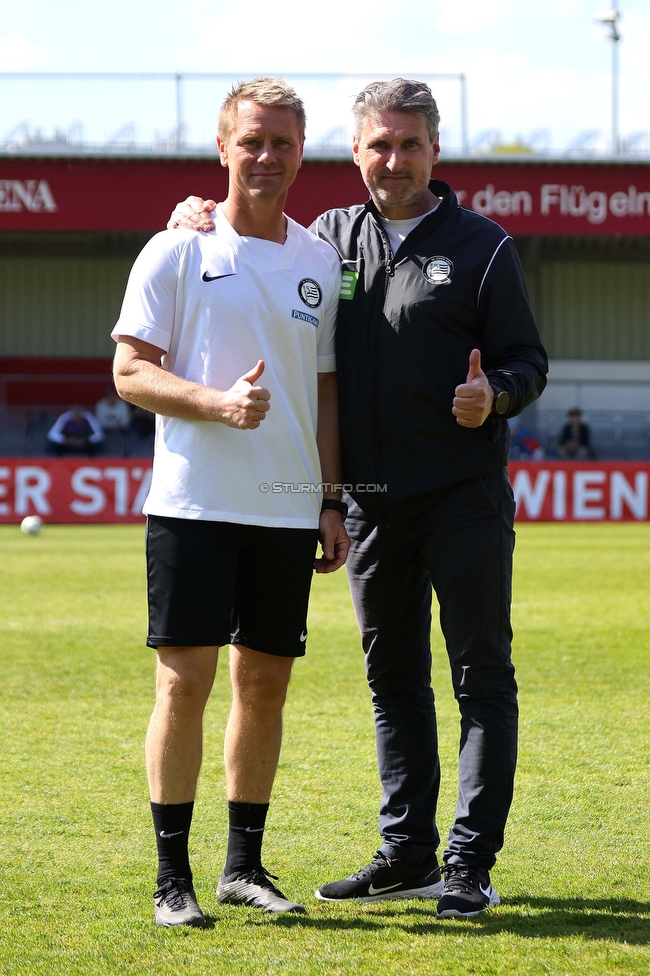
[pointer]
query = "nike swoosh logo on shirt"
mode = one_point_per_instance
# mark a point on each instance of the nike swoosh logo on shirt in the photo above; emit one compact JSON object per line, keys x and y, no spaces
{"x":377,"y":891}
{"x":207,"y":277}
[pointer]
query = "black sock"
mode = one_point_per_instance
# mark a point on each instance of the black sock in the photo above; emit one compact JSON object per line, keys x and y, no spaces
{"x":172,"y":823}
{"x":245,"y":836}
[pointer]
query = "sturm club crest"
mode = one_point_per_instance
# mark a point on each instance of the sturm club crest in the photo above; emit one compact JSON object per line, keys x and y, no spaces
{"x":310,"y":292}
{"x":438,"y":270}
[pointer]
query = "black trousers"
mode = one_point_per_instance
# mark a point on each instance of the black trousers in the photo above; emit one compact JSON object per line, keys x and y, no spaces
{"x":458,"y":543}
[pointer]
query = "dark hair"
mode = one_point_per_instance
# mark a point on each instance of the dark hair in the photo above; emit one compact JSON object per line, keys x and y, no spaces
{"x":398,"y":95}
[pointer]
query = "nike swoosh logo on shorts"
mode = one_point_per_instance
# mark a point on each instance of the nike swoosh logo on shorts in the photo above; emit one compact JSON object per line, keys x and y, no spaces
{"x":207,"y":277}
{"x":303,"y":636}
{"x":176,"y":833}
{"x":377,"y":891}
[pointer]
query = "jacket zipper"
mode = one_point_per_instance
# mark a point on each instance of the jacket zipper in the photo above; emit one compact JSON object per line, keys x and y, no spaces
{"x":389,"y":272}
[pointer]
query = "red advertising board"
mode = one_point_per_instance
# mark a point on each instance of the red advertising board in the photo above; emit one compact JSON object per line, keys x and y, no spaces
{"x":113,"y":490}
{"x":571,"y":491}
{"x":548,"y":198}
{"x":80,"y":490}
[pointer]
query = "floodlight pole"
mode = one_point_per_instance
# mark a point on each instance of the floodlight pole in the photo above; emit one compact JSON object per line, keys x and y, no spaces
{"x":463,"y":114}
{"x":178,"y":78}
{"x":616,"y":37}
{"x":611,"y":19}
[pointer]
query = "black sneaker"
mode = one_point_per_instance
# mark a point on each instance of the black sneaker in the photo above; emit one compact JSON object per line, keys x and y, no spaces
{"x":175,"y":904}
{"x":467,"y":893}
{"x":386,"y":878}
{"x":256,"y":890}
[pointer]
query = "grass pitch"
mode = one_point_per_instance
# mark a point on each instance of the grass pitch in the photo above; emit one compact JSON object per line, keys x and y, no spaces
{"x":76,"y":844}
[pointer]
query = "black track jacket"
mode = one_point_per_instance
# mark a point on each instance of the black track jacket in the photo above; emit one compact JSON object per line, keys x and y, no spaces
{"x":406,"y":326}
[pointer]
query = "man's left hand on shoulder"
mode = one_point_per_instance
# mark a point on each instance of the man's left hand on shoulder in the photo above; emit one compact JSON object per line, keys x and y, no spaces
{"x":334,"y":542}
{"x":474,"y":398}
{"x":195,"y":213}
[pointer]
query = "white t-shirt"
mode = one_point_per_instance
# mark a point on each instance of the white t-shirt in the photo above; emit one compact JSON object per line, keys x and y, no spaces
{"x":216,"y":303}
{"x":398,"y":230}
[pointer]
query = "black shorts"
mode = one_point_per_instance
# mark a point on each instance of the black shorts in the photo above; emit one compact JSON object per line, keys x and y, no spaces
{"x":216,"y":583}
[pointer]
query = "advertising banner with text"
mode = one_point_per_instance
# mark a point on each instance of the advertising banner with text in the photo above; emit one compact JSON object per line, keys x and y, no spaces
{"x":79,"y":490}
{"x":547,"y":198}
{"x":574,"y":491}
{"x":114,"y":490}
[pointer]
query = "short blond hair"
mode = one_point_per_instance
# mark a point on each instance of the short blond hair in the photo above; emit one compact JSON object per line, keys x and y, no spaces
{"x":263,"y":90}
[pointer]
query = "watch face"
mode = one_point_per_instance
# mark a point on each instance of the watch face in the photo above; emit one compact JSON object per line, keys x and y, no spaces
{"x":502,"y":402}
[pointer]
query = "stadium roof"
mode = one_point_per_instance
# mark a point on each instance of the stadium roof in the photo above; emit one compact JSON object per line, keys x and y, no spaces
{"x":167,"y":115}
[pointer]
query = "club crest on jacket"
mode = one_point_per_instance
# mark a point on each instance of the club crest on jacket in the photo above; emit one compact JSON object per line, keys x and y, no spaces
{"x":438,"y":270}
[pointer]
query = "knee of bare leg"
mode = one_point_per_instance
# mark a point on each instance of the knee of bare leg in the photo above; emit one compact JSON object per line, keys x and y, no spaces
{"x":185,"y":686}
{"x":263,"y":687}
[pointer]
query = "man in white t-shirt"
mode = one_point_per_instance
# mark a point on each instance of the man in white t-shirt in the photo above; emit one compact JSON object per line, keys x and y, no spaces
{"x":228,"y":337}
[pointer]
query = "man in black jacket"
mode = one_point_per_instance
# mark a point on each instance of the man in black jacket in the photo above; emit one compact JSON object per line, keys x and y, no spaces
{"x":436,"y":349}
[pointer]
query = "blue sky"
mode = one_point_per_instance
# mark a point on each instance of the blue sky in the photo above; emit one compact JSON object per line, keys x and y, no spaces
{"x":530,"y":65}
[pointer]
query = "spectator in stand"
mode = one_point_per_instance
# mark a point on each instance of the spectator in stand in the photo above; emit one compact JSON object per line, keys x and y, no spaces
{"x":113,"y":414}
{"x":575,"y":439}
{"x":77,"y":431}
{"x":523,"y":445}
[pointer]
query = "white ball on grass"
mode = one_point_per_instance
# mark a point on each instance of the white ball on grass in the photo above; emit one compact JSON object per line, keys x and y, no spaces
{"x":31,"y":524}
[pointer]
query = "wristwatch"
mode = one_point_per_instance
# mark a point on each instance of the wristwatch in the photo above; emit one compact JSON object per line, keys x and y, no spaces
{"x":335,"y":506}
{"x":501,"y":402}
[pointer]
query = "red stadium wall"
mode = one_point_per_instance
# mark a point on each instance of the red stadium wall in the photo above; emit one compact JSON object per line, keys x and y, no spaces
{"x":114,"y":489}
{"x":546,"y":198}
{"x":54,"y":380}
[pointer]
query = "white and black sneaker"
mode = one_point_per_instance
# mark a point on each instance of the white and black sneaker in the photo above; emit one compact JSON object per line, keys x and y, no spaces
{"x":467,"y":892}
{"x":256,"y":890}
{"x":385,"y":879}
{"x":175,"y":904}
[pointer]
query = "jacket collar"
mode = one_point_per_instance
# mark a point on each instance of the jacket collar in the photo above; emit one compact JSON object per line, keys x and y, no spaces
{"x":448,"y":205}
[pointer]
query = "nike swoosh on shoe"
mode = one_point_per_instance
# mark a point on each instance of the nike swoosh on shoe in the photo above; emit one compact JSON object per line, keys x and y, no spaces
{"x":378,"y":891}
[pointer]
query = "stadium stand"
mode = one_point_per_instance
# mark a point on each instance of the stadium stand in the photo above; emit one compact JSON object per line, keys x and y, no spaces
{"x":34,"y":390}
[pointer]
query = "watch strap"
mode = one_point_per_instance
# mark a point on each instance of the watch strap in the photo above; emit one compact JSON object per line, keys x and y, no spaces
{"x":335,"y":505}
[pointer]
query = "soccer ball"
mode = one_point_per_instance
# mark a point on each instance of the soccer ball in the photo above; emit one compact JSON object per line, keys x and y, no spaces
{"x":31,"y":524}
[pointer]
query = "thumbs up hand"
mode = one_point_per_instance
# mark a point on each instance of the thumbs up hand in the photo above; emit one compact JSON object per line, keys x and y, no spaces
{"x":474,"y":398}
{"x":245,"y":405}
